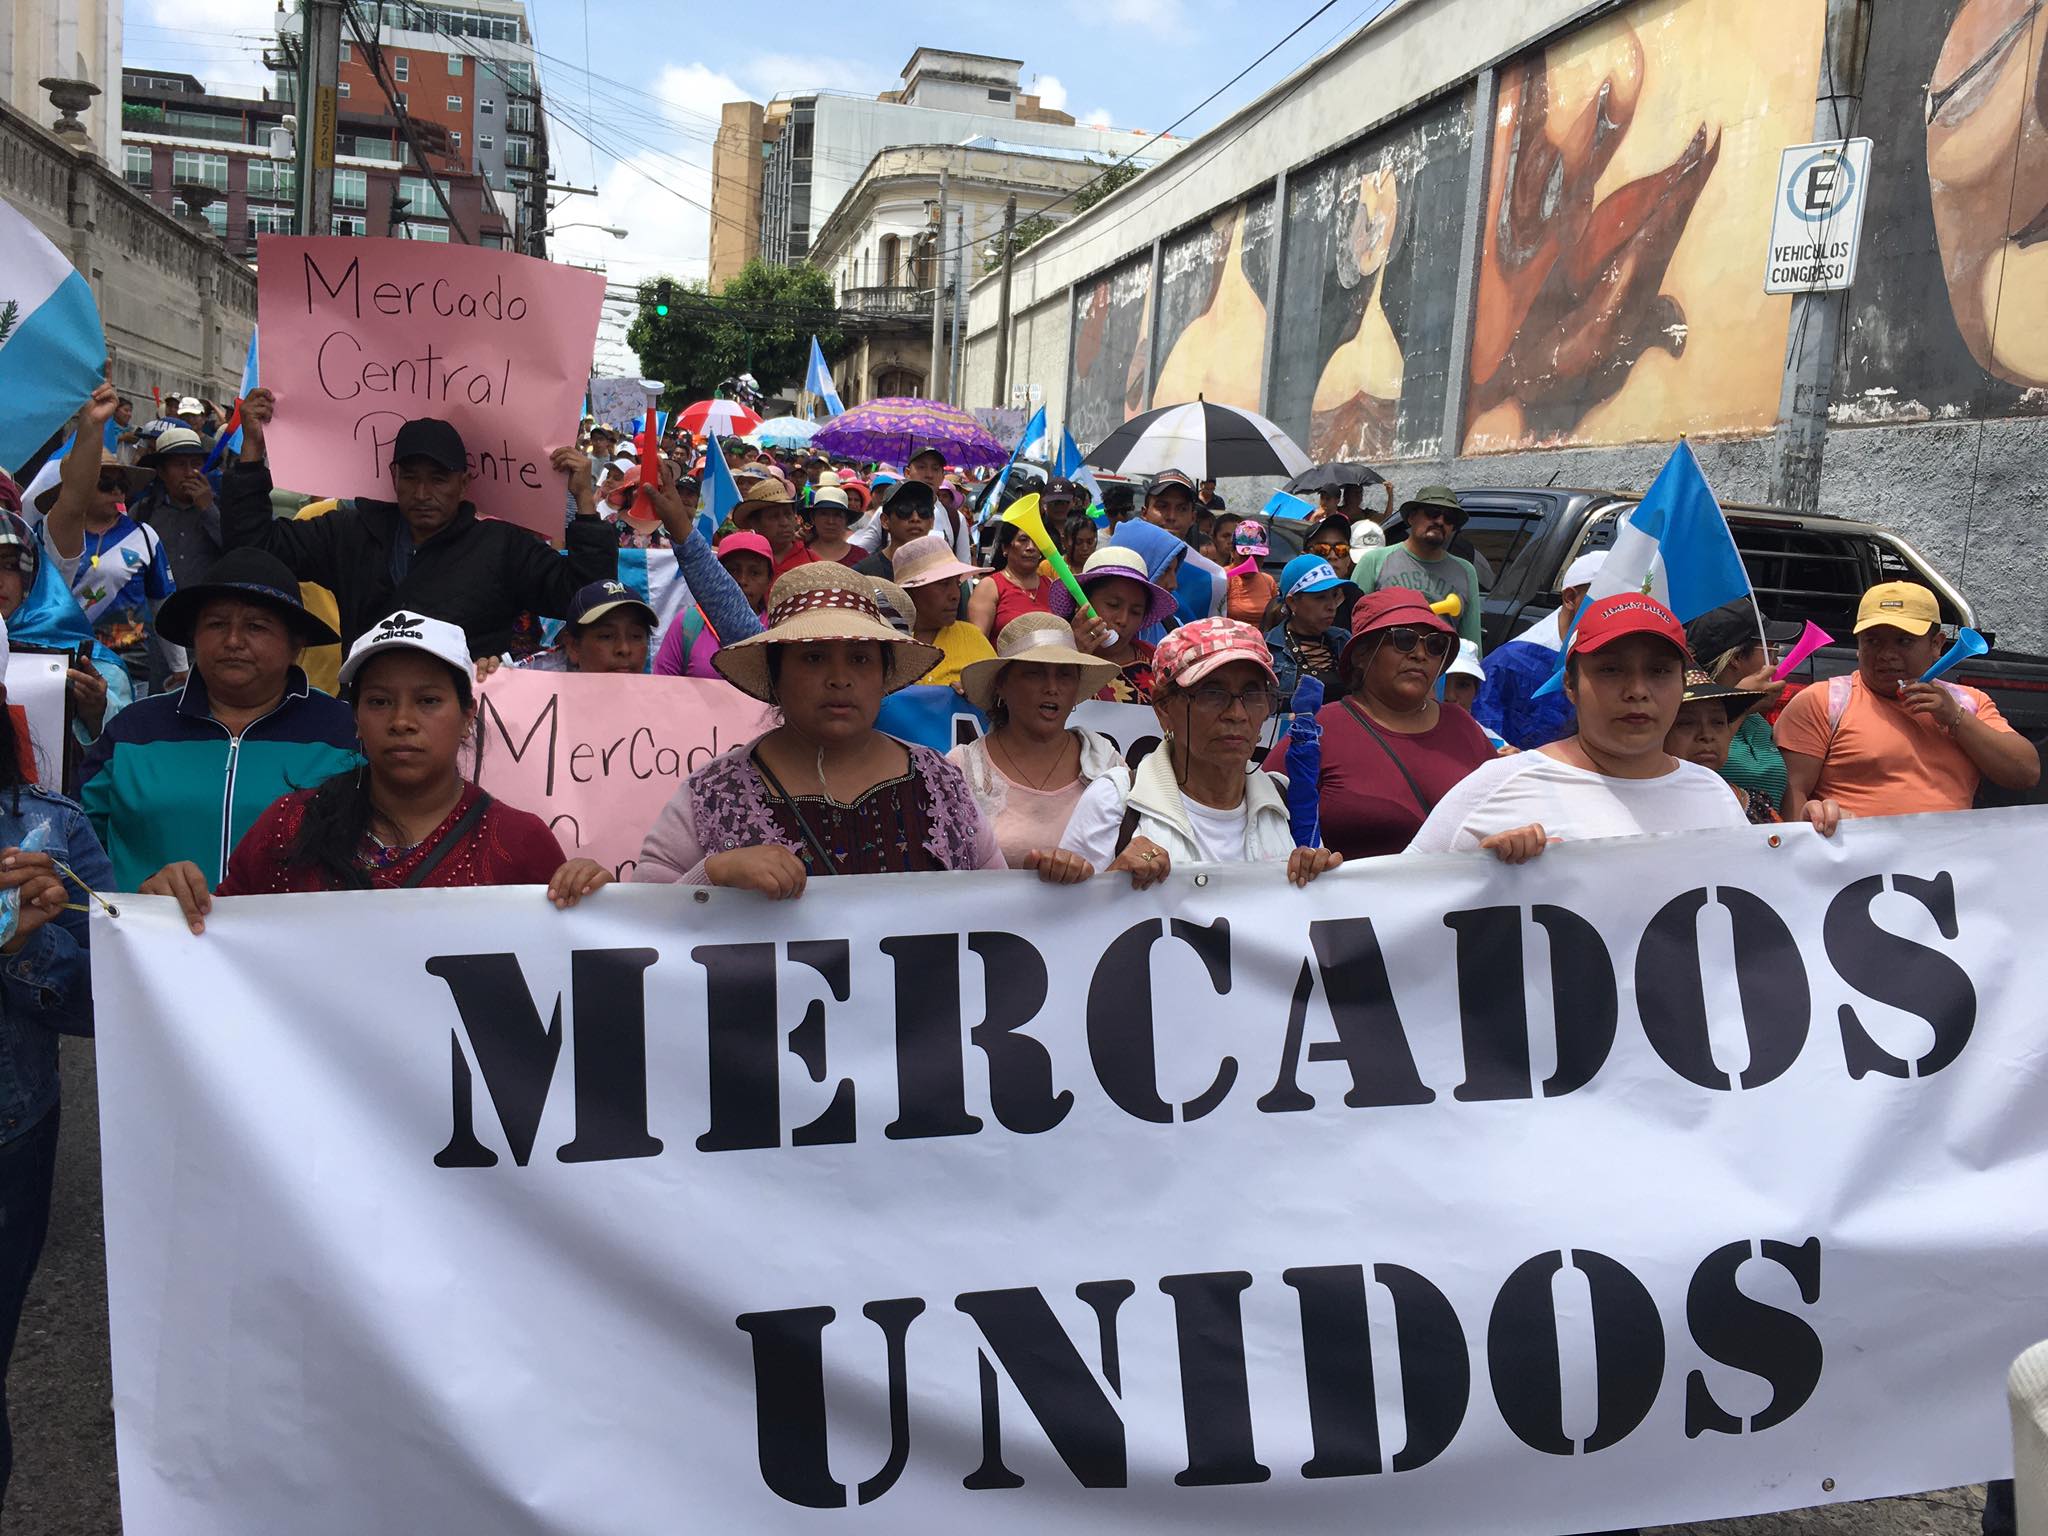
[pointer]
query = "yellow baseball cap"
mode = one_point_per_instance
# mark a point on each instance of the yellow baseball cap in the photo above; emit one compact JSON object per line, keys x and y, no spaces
{"x":1902,"y":604}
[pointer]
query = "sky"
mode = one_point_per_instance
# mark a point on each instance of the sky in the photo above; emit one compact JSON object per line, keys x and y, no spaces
{"x":633,"y":92}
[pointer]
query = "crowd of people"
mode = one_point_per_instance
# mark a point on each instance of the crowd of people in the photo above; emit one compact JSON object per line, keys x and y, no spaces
{"x":202,"y":762}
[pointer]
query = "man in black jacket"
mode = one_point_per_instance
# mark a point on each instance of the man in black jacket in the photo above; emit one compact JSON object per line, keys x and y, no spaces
{"x":427,"y":549}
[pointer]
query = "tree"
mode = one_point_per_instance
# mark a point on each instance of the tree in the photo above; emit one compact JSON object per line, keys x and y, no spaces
{"x":1034,"y":229}
{"x":760,"y":323}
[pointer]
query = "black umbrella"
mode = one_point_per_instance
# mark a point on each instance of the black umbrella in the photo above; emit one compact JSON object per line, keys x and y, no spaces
{"x":1334,"y":477}
{"x":1202,"y":440}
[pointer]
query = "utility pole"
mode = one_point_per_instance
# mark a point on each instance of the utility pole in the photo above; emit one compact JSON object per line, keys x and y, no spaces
{"x":954,"y":396}
{"x":537,"y":184}
{"x":938,"y":268}
{"x":1815,"y":336}
{"x":320,"y":70}
{"x":1002,"y":384}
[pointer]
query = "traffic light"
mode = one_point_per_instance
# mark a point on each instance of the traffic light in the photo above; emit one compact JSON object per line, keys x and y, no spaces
{"x":663,"y":291}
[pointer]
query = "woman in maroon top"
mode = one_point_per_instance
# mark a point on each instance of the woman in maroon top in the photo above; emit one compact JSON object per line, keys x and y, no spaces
{"x":405,"y":818}
{"x":1390,"y":750}
{"x":1015,"y":588}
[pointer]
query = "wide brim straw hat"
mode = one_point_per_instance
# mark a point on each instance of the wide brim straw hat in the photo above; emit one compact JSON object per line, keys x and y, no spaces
{"x":1040,"y":637}
{"x":1116,"y":560}
{"x":1700,"y":687}
{"x":763,"y":493}
{"x":137,"y":480}
{"x":929,"y":558}
{"x":820,"y":601}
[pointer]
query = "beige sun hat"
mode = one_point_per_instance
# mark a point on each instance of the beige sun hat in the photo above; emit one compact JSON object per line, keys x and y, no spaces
{"x":821,"y":601}
{"x":1039,"y":637}
{"x":928,"y":559}
{"x":898,"y":607}
{"x":766,"y":492}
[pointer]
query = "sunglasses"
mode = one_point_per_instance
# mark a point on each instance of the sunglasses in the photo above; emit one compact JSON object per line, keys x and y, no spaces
{"x":110,"y":483}
{"x":1434,"y":642}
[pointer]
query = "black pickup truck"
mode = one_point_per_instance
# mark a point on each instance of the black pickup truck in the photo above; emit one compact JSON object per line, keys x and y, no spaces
{"x":1801,"y":567}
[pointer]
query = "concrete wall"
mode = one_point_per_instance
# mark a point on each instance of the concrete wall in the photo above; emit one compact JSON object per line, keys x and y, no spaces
{"x":1706,"y":353}
{"x":69,"y":39}
{"x":178,"y":310}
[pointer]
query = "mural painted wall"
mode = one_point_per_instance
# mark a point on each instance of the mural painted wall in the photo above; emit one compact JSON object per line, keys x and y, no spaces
{"x":1368,"y":290}
{"x":1111,"y":323}
{"x":1628,"y":215}
{"x":1950,"y":313}
{"x":1210,"y":336}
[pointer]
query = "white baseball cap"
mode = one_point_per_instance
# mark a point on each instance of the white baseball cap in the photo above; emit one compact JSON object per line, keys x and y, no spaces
{"x":1580,"y":572}
{"x":409,"y":631}
{"x":190,"y":406}
{"x":1466,"y":663}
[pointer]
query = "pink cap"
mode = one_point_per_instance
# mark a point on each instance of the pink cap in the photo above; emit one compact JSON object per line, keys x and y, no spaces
{"x":746,"y":543}
{"x":1195,"y":650}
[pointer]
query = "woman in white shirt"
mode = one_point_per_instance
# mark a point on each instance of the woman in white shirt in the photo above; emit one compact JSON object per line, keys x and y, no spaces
{"x":1193,"y":800}
{"x":1625,"y":675}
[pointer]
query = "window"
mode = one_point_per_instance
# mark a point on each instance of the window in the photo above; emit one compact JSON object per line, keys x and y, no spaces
{"x":518,"y":152}
{"x":140,"y":163}
{"x":483,"y":106}
{"x":454,"y":103}
{"x":454,"y":63}
{"x":401,"y":68}
{"x":421,"y":199}
{"x":191,"y":168}
{"x":403,"y":101}
{"x":519,"y":117}
{"x":346,"y":56}
{"x":272,"y":221}
{"x":341,"y":90}
{"x":521,"y":76}
{"x":351,"y":189}
{"x":273,"y":178}
{"x":434,"y":232}
{"x":348,"y":223}
{"x":454,"y":138}
{"x":485,"y":141}
{"x":998,"y":95}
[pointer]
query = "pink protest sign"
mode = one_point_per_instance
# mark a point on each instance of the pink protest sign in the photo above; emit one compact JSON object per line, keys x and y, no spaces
{"x":598,"y":756}
{"x":359,"y":336}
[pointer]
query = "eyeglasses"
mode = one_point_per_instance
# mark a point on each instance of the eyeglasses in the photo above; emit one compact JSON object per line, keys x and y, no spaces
{"x":1215,"y":699}
{"x":110,"y":483}
{"x":1434,"y":642}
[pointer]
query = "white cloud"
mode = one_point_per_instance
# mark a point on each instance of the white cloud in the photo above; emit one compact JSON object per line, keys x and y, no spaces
{"x":1099,"y":118}
{"x":1052,"y":94}
{"x":780,"y":74}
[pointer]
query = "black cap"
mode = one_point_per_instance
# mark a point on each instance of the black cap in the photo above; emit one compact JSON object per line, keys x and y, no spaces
{"x":594,"y":601}
{"x":1170,"y":477}
{"x":251,"y":576}
{"x":1732,"y":627}
{"x":911,"y":496}
{"x":1056,"y":490}
{"x":432,"y":439}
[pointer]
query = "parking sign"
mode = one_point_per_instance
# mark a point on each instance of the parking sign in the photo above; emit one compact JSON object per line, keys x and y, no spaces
{"x":1817,"y":220}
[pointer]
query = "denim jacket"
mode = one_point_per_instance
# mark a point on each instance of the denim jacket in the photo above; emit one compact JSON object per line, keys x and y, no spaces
{"x":46,"y":989}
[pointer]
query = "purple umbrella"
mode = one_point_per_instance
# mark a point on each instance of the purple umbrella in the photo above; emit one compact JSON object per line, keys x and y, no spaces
{"x":890,"y":430}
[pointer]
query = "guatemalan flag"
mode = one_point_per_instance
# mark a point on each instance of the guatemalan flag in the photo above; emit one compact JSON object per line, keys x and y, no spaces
{"x":230,"y":440}
{"x":819,"y":381}
{"x":1675,"y":547}
{"x":53,"y":353}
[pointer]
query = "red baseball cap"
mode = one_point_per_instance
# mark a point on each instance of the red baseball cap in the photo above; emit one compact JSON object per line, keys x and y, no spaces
{"x":1626,"y":613}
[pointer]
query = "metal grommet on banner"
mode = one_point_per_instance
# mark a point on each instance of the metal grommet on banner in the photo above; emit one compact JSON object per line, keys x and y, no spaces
{"x":701,"y":896}
{"x":1777,"y":841}
{"x":1201,"y":880}
{"x":1827,"y":1485}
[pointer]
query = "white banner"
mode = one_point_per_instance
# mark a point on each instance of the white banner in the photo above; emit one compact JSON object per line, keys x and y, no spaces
{"x":1657,"y":1181}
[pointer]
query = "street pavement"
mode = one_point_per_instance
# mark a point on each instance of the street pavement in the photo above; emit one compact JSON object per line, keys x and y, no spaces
{"x":61,"y":1391}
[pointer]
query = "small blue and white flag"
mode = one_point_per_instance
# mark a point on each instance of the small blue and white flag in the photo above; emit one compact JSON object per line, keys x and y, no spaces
{"x":231,"y":442}
{"x":1068,"y":464}
{"x":819,"y":381}
{"x":53,"y":352}
{"x":1675,"y":547}
{"x":718,"y":495}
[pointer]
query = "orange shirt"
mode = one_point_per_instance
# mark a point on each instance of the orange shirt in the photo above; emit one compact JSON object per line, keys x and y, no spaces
{"x":1883,"y":760}
{"x":1250,"y":596}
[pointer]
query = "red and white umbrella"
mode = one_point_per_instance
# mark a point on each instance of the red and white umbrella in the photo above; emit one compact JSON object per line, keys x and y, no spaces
{"x":719,"y":418}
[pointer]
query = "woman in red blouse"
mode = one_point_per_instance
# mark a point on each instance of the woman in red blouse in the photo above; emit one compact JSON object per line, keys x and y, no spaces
{"x":407,"y":817}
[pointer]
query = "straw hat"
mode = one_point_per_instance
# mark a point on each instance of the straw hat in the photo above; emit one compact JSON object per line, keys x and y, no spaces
{"x":137,"y":480}
{"x":1117,"y":560}
{"x":899,"y":608}
{"x":762,"y":493}
{"x":1033,"y":637}
{"x":820,"y":601}
{"x":927,"y":559}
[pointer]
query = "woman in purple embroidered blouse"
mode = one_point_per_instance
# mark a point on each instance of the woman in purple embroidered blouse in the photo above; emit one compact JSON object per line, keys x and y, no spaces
{"x":824,"y":793}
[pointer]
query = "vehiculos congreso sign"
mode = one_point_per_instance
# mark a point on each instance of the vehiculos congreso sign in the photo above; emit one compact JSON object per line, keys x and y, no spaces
{"x":1658,"y":1180}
